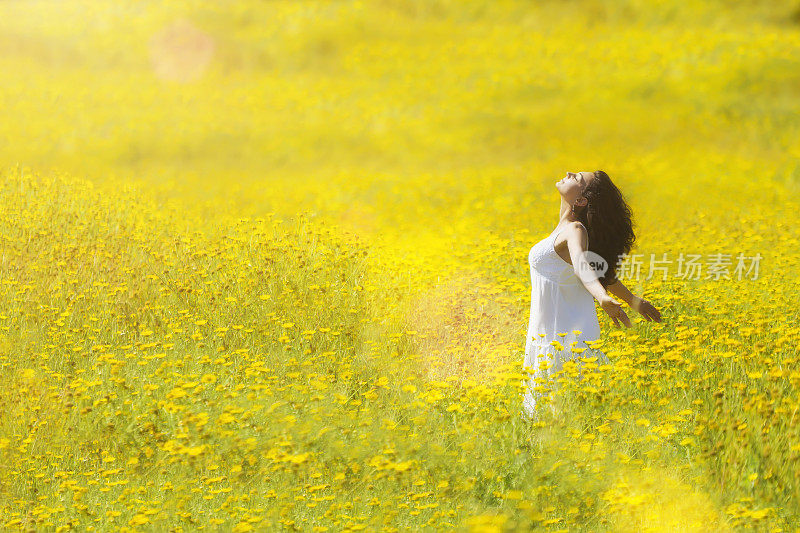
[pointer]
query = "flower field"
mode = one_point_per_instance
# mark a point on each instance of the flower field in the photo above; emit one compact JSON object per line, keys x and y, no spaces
{"x":263,"y":265}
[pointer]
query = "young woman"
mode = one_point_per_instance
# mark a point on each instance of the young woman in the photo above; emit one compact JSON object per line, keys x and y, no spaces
{"x":572,"y":267}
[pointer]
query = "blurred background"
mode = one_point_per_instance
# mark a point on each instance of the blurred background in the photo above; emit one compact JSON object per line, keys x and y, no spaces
{"x":399,"y":115}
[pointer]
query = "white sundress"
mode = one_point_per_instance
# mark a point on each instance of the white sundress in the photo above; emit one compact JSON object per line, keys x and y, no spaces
{"x":559,"y":304}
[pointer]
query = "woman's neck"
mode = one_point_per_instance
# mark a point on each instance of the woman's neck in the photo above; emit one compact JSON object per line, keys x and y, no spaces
{"x":565,"y":213}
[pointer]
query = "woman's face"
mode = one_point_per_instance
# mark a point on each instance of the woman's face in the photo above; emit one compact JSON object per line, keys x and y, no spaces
{"x":572,"y":185}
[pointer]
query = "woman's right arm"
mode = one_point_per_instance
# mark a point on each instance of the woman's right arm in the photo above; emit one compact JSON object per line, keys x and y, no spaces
{"x":618,"y":289}
{"x":640,"y":305}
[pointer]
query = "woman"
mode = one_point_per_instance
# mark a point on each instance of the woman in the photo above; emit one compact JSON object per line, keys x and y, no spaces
{"x":570,"y":268}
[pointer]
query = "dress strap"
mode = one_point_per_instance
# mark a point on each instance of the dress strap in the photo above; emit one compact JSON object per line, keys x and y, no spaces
{"x":559,"y":230}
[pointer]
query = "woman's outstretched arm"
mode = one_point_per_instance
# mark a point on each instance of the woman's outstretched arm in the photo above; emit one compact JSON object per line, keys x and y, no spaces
{"x":577,"y":244}
{"x":618,"y":289}
{"x":638,"y":304}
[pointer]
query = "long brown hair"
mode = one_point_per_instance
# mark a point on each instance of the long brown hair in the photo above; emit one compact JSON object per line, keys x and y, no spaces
{"x":609,"y":222}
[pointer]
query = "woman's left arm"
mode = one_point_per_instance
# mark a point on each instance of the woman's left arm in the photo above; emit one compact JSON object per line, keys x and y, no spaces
{"x":578,"y":243}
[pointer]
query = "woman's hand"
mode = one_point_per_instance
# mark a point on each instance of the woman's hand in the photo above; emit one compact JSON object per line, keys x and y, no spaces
{"x":645,"y":308}
{"x":614,"y":309}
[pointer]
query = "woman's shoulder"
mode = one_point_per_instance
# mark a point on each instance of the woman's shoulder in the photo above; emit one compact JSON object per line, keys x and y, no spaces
{"x":575,"y":226}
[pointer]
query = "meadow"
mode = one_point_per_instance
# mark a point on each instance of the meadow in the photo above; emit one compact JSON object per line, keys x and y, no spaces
{"x":264,"y":264}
